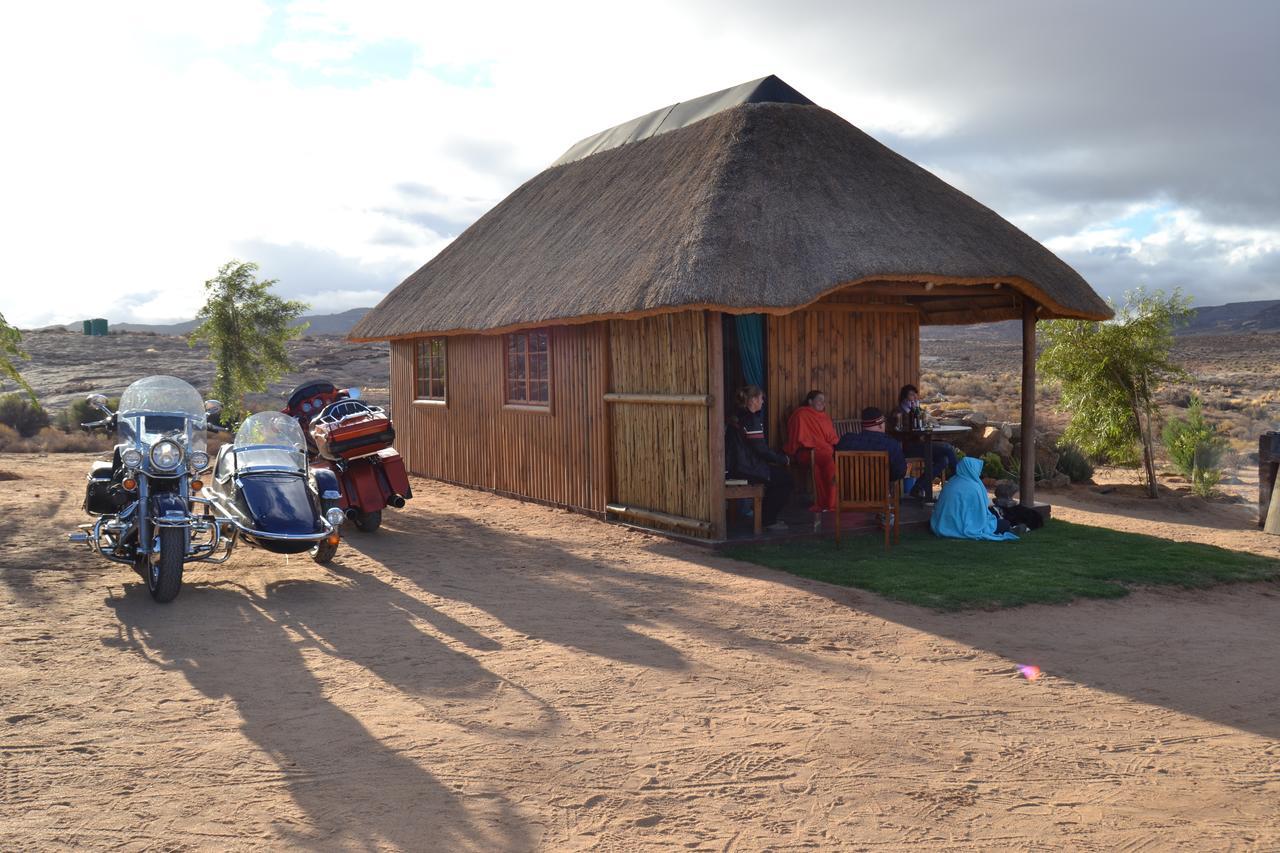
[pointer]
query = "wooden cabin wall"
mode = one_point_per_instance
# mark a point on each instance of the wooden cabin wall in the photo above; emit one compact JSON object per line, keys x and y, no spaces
{"x":560,"y":456}
{"x":860,"y":354}
{"x":662,"y":450}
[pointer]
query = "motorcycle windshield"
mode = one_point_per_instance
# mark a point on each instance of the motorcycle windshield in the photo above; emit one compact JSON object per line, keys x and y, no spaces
{"x":271,"y":440}
{"x":162,"y":407}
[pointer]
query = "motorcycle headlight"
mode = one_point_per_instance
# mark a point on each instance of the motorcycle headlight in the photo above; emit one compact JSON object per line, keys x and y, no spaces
{"x":335,"y":516}
{"x":131,"y":458}
{"x":199,"y":460}
{"x":166,"y":455}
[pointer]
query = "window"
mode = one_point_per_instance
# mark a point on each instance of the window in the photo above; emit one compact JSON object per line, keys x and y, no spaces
{"x":429,"y":370}
{"x":529,"y":368}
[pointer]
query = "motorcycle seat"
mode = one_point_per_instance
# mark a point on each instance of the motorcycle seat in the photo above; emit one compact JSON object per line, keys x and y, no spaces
{"x":101,"y":470}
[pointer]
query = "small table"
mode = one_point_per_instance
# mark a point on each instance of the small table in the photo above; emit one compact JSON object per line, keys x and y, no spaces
{"x":928,"y":435}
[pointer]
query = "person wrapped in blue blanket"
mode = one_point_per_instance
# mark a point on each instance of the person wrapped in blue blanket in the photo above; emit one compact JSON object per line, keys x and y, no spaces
{"x":962,"y":511}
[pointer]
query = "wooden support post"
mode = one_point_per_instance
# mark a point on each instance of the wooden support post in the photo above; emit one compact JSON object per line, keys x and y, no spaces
{"x":715,"y":425}
{"x":1027,"y":488}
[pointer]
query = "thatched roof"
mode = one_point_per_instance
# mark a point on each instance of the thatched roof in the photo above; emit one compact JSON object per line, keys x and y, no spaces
{"x":759,"y":206}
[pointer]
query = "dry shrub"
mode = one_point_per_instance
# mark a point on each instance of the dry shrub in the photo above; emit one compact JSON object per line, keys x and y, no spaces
{"x":9,"y":438}
{"x":50,"y":440}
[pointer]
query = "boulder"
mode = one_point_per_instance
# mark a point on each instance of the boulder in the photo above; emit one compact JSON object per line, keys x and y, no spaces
{"x":983,"y":440}
{"x":1058,"y":480}
{"x":975,"y":420}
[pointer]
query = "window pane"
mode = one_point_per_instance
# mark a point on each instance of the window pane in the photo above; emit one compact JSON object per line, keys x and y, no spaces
{"x":515,"y":392}
{"x":516,"y":367}
{"x":539,"y":392}
{"x":437,"y":389}
{"x":538,"y":367}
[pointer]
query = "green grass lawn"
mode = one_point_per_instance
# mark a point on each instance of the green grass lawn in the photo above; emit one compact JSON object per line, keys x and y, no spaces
{"x":1060,"y":562}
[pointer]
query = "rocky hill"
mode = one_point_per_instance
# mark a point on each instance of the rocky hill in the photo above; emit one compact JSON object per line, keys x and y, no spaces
{"x":65,"y":365}
{"x":317,"y":324}
{"x":1234,"y":317}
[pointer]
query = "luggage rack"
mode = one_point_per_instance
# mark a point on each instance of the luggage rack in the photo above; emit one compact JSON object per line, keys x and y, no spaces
{"x":336,"y":413}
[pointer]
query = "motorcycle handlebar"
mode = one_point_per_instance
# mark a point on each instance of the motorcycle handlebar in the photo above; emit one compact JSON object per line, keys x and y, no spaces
{"x":91,"y":425}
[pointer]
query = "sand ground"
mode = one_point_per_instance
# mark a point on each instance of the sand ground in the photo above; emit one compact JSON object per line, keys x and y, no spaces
{"x":485,"y":674}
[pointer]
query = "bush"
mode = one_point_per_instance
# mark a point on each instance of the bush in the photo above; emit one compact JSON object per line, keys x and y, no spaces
{"x":993,"y":466}
{"x":1195,"y":448}
{"x":17,"y":411}
{"x":1073,"y":463}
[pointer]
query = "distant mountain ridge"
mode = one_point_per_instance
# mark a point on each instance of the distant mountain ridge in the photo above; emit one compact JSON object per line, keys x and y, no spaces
{"x":1259,"y":316}
{"x":320,"y":324}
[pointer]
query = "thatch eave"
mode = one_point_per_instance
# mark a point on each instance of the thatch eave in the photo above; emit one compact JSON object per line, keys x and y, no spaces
{"x":981,"y":314}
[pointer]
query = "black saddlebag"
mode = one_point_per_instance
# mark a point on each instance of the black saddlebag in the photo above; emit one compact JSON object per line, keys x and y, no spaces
{"x":97,"y":496}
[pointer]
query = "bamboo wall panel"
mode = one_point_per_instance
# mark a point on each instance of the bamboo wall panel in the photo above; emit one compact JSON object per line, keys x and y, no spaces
{"x":560,"y":457}
{"x":661,"y":453}
{"x":860,"y":356}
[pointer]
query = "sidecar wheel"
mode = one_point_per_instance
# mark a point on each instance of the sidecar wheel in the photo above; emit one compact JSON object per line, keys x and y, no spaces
{"x":164,"y":577}
{"x":367,"y":522}
{"x":323,"y":551}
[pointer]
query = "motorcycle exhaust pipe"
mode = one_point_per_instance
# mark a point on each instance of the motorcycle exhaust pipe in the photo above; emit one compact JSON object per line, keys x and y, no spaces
{"x":352,"y":512}
{"x":396,"y":501}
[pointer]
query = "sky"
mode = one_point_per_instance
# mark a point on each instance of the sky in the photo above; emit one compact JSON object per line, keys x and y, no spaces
{"x":340,"y":145}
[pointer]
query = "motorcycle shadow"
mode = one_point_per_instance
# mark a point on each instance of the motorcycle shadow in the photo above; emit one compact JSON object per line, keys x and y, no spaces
{"x":232,"y":644}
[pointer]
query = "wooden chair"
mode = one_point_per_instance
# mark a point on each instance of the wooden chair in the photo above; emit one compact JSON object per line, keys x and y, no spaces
{"x":916,"y":469}
{"x":844,"y":426}
{"x":753,"y":492}
{"x":862,"y":484}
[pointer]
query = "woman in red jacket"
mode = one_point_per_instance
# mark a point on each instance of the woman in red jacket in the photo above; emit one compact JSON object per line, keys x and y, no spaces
{"x":811,"y":439}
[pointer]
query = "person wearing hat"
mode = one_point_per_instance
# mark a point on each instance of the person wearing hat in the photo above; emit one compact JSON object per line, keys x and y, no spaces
{"x":873,"y":437}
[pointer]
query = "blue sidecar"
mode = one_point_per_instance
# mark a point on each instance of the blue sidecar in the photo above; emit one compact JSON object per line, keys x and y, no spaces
{"x":263,"y":487}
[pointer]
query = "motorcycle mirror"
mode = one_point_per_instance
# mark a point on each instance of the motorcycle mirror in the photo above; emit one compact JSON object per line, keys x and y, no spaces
{"x":98,"y":401}
{"x":353,"y":393}
{"x":212,"y":408}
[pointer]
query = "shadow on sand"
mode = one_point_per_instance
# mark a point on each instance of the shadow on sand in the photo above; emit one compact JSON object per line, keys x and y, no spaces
{"x":1205,"y":653}
{"x":355,"y":790}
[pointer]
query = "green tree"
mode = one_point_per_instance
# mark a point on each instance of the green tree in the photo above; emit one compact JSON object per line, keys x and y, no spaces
{"x":246,"y":327}
{"x":1109,"y":372}
{"x":1195,"y":448}
{"x":10,"y":349}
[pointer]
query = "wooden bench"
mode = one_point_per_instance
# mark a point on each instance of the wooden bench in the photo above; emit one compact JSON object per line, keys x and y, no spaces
{"x":754,"y":491}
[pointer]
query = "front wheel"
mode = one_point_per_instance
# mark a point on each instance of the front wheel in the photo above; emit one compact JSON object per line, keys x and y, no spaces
{"x":164,"y":576}
{"x":367,"y":522}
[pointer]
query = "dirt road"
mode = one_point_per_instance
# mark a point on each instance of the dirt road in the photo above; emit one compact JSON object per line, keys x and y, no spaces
{"x":485,"y":674}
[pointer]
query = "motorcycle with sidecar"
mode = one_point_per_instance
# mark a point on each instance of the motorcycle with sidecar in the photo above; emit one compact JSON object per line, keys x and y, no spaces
{"x":147,"y":503}
{"x":354,"y":441}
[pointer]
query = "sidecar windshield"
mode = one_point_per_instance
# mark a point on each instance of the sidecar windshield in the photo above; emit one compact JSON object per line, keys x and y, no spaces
{"x":270,"y":441}
{"x":162,"y":407}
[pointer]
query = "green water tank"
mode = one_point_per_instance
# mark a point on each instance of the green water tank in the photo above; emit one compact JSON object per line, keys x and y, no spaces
{"x":88,"y":327}
{"x":99,"y":326}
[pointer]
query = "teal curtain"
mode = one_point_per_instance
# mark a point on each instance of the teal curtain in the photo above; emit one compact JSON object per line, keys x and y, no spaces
{"x":750,"y":329}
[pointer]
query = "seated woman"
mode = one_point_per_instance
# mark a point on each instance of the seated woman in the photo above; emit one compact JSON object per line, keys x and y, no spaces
{"x":962,"y":510}
{"x":943,"y":457}
{"x":748,"y":456}
{"x":811,"y":440}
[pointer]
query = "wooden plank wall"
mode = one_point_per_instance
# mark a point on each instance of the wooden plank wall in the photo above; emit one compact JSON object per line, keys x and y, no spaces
{"x":561,"y":457}
{"x":859,"y":353}
{"x":661,"y":452}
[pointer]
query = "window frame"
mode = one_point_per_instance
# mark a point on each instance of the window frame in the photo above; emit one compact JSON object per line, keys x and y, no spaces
{"x":527,"y":403}
{"x":443,"y":378}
